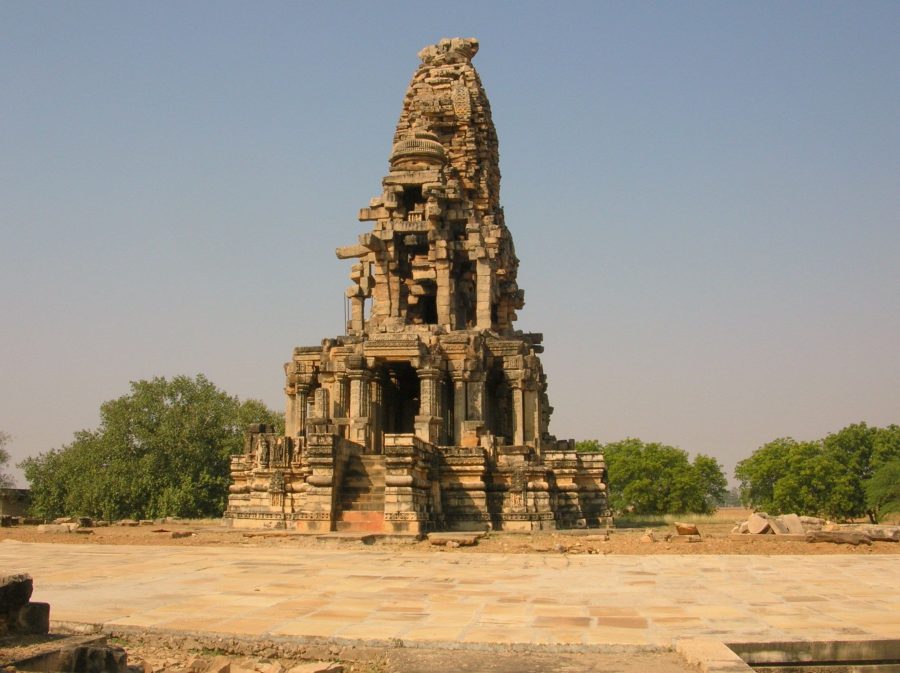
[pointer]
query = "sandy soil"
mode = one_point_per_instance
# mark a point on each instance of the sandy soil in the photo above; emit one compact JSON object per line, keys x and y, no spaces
{"x":715,"y":539}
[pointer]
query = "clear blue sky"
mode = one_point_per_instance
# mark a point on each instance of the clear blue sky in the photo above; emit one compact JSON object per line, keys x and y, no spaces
{"x":705,"y":198}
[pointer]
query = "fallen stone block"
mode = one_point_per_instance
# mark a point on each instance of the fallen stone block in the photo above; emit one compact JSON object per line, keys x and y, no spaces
{"x":812,"y":523}
{"x":127,"y":522}
{"x":65,"y":519}
{"x":777,"y":527}
{"x":686,"y":528}
{"x":34,"y":618}
{"x":93,"y":659}
{"x":758,"y":523}
{"x":57,"y":527}
{"x":648,"y":536}
{"x":839,"y":537}
{"x":219,"y":664}
{"x":685,"y":538}
{"x":15,"y":590}
{"x":792,"y":523}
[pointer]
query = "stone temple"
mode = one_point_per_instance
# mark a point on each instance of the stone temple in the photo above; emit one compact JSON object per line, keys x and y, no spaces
{"x":431,"y":412}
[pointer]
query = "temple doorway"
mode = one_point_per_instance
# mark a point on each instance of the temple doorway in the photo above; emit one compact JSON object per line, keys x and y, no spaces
{"x":400,"y":397}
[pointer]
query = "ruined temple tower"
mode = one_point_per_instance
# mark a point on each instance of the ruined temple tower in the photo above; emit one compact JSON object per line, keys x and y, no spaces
{"x":431,"y":412}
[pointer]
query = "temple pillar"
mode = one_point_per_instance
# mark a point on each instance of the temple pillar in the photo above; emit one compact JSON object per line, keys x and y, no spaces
{"x":475,"y":397}
{"x":518,"y":412}
{"x":483,"y":295}
{"x":290,"y":411}
{"x":359,"y":405}
{"x":300,"y":406}
{"x":357,"y":305}
{"x":428,"y":421}
{"x":529,"y":405}
{"x":444,"y":293}
{"x":376,"y":416}
{"x":459,"y":407}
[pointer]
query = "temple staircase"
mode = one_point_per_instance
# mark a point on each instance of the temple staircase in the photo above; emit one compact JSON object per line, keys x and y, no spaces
{"x":362,"y":495}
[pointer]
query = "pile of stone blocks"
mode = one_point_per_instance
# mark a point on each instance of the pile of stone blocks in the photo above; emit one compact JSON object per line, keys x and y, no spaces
{"x":792,"y":527}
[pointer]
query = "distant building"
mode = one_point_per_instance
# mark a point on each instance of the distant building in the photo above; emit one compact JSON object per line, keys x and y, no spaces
{"x":14,"y":501}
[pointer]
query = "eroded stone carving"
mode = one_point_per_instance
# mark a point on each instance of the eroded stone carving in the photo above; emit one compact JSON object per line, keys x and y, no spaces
{"x":432,"y":410}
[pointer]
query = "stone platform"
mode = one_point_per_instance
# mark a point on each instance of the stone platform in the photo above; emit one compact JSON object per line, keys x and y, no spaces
{"x":466,"y":599}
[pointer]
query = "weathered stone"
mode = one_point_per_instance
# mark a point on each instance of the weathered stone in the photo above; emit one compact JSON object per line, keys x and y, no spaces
{"x":57,"y":527}
{"x":15,"y":591}
{"x":220,"y":664}
{"x":648,"y":536}
{"x":684,"y":538}
{"x":93,"y":659}
{"x":431,"y":411}
{"x":792,"y":523}
{"x":758,"y":523}
{"x":777,"y":527}
{"x":839,"y":537}
{"x":686,"y":528}
{"x":33,"y":618}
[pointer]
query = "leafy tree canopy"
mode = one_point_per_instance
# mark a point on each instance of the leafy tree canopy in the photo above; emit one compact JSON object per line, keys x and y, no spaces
{"x":827,"y":477}
{"x":883,"y":489}
{"x":162,"y":450}
{"x":5,"y":480}
{"x":652,"y":478}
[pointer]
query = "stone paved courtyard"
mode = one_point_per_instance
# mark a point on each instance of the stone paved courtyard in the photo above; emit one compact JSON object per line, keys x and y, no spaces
{"x":438,"y":599}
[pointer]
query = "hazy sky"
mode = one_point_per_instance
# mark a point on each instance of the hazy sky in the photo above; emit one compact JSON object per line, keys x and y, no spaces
{"x":704,"y":196}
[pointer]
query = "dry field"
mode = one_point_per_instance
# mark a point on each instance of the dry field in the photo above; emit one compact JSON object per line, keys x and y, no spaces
{"x":624,"y":539}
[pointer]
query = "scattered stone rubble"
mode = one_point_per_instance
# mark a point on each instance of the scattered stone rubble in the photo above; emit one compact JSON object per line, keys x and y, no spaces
{"x":25,"y":643}
{"x":814,"y":529}
{"x":431,"y":411}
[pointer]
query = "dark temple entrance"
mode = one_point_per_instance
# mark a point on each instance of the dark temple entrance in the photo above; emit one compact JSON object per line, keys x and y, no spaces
{"x":399,"y":397}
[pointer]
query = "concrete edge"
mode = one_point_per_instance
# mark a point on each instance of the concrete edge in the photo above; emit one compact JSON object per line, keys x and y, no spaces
{"x":710,"y":656}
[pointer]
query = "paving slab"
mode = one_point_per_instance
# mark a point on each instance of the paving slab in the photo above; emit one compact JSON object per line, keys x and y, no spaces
{"x":583,"y":601}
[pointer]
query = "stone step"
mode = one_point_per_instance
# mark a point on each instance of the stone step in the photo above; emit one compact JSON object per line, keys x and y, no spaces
{"x":362,"y":521}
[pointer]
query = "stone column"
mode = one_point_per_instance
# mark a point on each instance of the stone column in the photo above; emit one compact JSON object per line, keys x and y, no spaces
{"x":340,"y":395}
{"x":444,"y":293}
{"x":475,"y":396}
{"x":359,"y":404}
{"x":529,"y":404}
{"x":290,"y":411}
{"x":428,"y":422}
{"x":459,"y":406}
{"x":356,"y":313}
{"x":483,"y":295}
{"x":300,"y":405}
{"x":376,"y":420}
{"x":518,"y":412}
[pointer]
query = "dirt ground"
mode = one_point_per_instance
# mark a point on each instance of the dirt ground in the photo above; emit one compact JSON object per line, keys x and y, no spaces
{"x":715,"y":539}
{"x":155,"y":653}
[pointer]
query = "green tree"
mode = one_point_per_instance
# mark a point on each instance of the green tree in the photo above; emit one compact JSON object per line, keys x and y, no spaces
{"x":162,"y":450}
{"x":883,"y":489}
{"x":5,"y":480}
{"x":652,"y":478}
{"x":826,"y":476}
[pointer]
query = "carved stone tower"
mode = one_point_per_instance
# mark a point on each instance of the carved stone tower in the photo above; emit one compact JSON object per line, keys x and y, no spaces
{"x":431,"y":412}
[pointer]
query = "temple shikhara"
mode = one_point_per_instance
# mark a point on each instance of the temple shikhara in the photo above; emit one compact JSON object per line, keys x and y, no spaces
{"x":431,"y":412}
